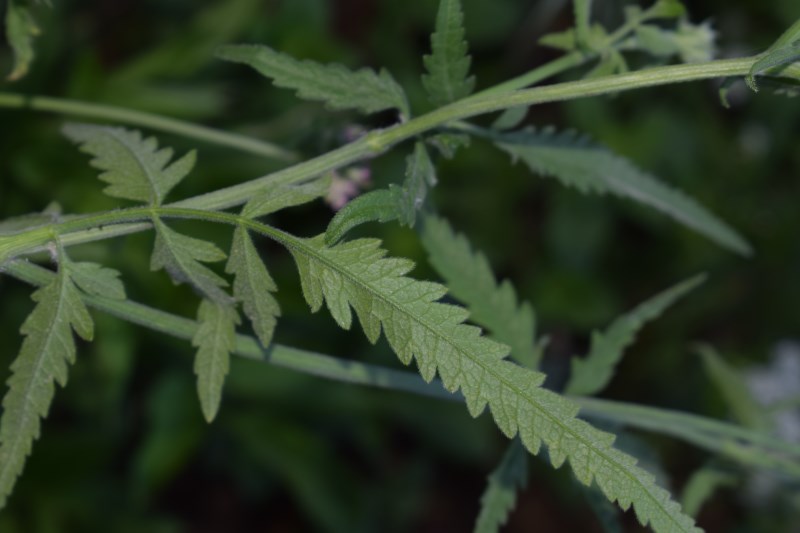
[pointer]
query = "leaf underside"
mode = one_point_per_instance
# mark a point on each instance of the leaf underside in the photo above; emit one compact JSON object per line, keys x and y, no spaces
{"x":448,"y":65}
{"x":579,"y":163}
{"x":253,"y":286}
{"x":470,"y":280}
{"x":335,"y":85}
{"x":591,"y":375}
{"x":47,"y":350}
{"x":215,"y":340}
{"x":357,"y":274}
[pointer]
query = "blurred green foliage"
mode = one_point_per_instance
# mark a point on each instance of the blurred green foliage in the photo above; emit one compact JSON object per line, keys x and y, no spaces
{"x":125,"y":447}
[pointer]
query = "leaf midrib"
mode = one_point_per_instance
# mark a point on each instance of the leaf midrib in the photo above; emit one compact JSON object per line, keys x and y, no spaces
{"x":299,"y":245}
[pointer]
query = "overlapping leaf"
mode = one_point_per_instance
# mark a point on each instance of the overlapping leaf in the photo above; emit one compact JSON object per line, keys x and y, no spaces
{"x":470,"y":279}
{"x":398,"y":202}
{"x":275,"y":198}
{"x":182,"y":257}
{"x":500,"y":495}
{"x":784,"y":51}
{"x":448,"y":65}
{"x":592,"y":374}
{"x":357,"y":274}
{"x":133,"y":166}
{"x":340,"y":88}
{"x":579,"y":163}
{"x":215,"y":340}
{"x":47,"y":350}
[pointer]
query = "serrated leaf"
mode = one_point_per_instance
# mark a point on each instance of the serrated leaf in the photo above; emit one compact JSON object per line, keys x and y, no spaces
{"x":340,"y":88}
{"x":180,"y":255}
{"x":215,"y":340}
{"x":357,"y":274}
{"x":448,"y":64}
{"x":470,"y":280}
{"x":420,"y":174}
{"x":97,"y":280}
{"x":734,"y":390}
{"x":276,"y":197}
{"x":47,"y":350}
{"x":134,"y":167}
{"x":591,"y":375}
{"x":589,"y":167}
{"x":500,"y":495}
{"x":21,"y":30}
{"x":380,"y":206}
{"x":253,"y":286}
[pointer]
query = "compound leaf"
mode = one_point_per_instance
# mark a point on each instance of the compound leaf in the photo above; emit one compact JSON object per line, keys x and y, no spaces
{"x":470,"y":279}
{"x":181,"y":257}
{"x":448,"y":64}
{"x":46,"y":351}
{"x":340,"y":88}
{"x":277,"y":197}
{"x":253,"y":286}
{"x":500,"y":496}
{"x":97,"y":280}
{"x":579,"y":163}
{"x":215,"y":340}
{"x":133,"y":166}
{"x":357,"y":274}
{"x":592,"y":374}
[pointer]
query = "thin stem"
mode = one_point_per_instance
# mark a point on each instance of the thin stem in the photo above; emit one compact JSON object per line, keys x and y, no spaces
{"x":376,"y":142}
{"x":147,"y":120}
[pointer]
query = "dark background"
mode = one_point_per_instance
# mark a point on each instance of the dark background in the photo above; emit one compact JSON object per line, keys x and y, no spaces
{"x":125,"y":447}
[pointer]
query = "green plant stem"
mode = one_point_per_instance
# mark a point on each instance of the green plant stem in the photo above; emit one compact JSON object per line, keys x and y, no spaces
{"x":378,"y":141}
{"x":706,"y":433}
{"x":146,"y":120}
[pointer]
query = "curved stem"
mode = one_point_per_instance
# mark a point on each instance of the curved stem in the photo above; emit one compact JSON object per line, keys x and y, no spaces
{"x":147,"y":120}
{"x":378,"y":141}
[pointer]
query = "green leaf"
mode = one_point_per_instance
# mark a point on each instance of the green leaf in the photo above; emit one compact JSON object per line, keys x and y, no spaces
{"x":337,"y":86}
{"x":778,"y":57}
{"x":448,"y":65}
{"x":380,"y":205}
{"x":420,"y":173}
{"x":277,"y":197}
{"x":734,"y":390}
{"x":582,"y":9}
{"x":448,"y":143}
{"x":693,"y":43}
{"x":180,"y":256}
{"x":500,"y":495}
{"x":253,"y":286}
{"x":21,"y":30}
{"x":702,"y":485}
{"x":46,"y":351}
{"x":470,"y":280}
{"x":97,"y":280}
{"x":357,"y":273}
{"x":215,"y":340}
{"x":592,"y":374}
{"x":577,"y":162}
{"x":133,"y":166}
{"x":48,"y":215}
{"x":666,"y":9}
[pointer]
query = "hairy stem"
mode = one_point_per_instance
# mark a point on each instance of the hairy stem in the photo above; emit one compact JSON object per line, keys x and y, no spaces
{"x":378,"y":141}
{"x":147,"y":120}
